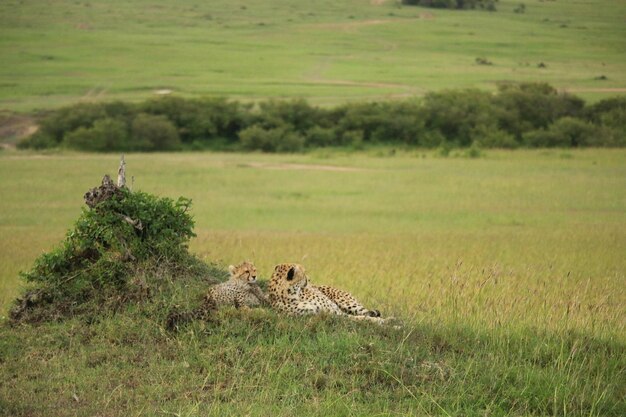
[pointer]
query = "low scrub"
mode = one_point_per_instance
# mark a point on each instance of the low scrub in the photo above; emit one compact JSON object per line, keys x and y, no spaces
{"x":533,"y":115}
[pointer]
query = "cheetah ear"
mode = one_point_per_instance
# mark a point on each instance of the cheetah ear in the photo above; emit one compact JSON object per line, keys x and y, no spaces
{"x":231,"y":269}
{"x":291,"y":273}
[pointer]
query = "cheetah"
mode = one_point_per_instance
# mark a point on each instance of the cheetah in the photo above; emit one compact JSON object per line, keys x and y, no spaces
{"x":241,"y":290}
{"x":290,"y":292}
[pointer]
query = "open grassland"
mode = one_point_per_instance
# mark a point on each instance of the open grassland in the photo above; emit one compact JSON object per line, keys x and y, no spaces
{"x":512,"y":232}
{"x":507,"y":270}
{"x":59,"y":52}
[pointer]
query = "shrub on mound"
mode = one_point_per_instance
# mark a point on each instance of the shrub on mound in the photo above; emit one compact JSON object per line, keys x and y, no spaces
{"x":127,"y":246}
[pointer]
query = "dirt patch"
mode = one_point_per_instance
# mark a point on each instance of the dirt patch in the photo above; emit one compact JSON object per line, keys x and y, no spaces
{"x":301,"y":167}
{"x":14,"y":127}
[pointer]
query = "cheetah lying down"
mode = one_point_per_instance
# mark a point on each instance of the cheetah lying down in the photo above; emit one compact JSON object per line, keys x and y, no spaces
{"x":241,"y":290}
{"x":291,"y":292}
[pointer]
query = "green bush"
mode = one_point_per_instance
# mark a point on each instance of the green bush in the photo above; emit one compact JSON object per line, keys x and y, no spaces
{"x":525,"y":107}
{"x":202,"y":120}
{"x":189,"y":119}
{"x":391,"y":122}
{"x":105,"y":134}
{"x":297,"y":115}
{"x":610,"y":116}
{"x":103,"y":252}
{"x":290,"y":142}
{"x":363,"y":117}
{"x":153,"y":133}
{"x":399,"y":122}
{"x":614,"y":105}
{"x":67,"y":119}
{"x":460,"y":116}
{"x":278,"y":139}
{"x":318,"y":136}
{"x":494,"y":138}
{"x":516,"y":114}
{"x":38,"y":141}
{"x":565,"y":132}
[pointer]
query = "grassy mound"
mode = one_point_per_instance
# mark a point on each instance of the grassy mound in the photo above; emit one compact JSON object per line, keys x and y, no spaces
{"x":131,"y":246}
{"x":260,"y":363}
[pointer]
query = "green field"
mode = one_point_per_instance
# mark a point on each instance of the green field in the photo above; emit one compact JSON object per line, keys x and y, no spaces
{"x":60,"y":52}
{"x":549,"y":220}
{"x":508,"y":272}
{"x":505,"y":268}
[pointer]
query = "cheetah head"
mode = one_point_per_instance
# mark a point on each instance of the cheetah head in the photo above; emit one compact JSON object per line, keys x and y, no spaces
{"x":288,"y":278}
{"x":245,"y":272}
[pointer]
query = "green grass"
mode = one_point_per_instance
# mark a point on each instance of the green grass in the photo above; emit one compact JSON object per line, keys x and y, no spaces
{"x":507,"y":271}
{"x":258,"y":364}
{"x":56,"y":53}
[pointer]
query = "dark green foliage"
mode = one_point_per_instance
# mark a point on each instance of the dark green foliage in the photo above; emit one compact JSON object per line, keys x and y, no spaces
{"x":298,"y":115}
{"x":105,"y":134}
{"x":529,"y":106}
{"x":319,"y":137}
{"x":202,"y":120}
{"x":610,"y":117}
{"x":566,"y":132}
{"x":104,"y":252}
{"x":461,"y":116}
{"x":363,"y":117}
{"x":67,"y":119}
{"x":405,"y":126}
{"x":395,"y":122}
{"x":190,"y":120}
{"x":153,"y":133}
{"x":614,"y":105}
{"x":277,"y":139}
{"x":516,"y":115}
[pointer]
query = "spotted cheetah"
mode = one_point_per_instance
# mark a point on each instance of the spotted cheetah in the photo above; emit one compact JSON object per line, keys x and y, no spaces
{"x":291,"y":292}
{"x":241,"y":290}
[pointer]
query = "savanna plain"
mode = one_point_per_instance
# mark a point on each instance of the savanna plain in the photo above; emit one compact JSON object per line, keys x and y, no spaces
{"x":507,"y":272}
{"x":59,"y":52}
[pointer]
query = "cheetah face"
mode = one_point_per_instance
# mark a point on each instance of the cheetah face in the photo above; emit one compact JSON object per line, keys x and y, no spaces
{"x":245,"y":272}
{"x":289,"y":277}
{"x":297,"y":276}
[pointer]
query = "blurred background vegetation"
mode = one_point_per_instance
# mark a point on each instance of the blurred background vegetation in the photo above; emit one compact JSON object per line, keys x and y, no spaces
{"x":531,"y":115}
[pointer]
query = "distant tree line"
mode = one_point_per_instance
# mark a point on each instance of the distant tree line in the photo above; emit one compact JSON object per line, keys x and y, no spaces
{"x":454,"y":4}
{"x":517,"y":115}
